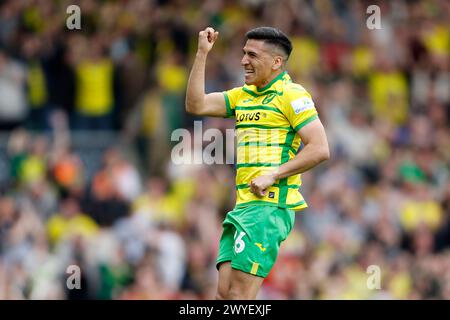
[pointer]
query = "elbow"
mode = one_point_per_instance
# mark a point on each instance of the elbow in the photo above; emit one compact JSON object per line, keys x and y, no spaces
{"x":323,"y":154}
{"x":188,"y":107}
{"x":192,"y":108}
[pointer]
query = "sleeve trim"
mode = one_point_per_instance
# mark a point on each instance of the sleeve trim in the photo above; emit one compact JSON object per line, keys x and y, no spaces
{"x":230,"y":112}
{"x":305,"y":122}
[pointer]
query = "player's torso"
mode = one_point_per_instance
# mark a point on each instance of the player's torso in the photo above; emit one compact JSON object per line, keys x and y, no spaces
{"x":264,"y":139}
{"x":263,"y":133}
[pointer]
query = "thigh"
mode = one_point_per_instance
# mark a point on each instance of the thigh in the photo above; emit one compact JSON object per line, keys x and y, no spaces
{"x":259,"y":233}
{"x":243,"y":286}
{"x":224,"y":257}
{"x":226,"y":243}
{"x":224,"y":280}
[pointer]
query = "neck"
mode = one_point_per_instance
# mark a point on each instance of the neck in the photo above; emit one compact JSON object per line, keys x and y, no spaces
{"x":270,"y":79}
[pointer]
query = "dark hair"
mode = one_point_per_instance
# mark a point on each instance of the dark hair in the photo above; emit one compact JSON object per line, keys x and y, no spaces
{"x":272,"y":36}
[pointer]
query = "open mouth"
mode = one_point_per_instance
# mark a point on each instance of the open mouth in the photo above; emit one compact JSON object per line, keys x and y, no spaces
{"x":247,"y":72}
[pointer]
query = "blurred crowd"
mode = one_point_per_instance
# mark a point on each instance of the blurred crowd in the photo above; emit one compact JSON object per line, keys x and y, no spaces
{"x":86,"y":118}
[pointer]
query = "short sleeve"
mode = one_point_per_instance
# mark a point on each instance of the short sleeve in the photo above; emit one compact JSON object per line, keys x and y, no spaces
{"x":299,"y":107}
{"x":231,"y":98}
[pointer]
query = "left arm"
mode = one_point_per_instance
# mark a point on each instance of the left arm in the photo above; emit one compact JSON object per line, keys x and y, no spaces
{"x":314,"y":152}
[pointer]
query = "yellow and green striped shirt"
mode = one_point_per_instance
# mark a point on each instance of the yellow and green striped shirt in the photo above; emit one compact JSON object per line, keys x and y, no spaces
{"x":267,"y":120}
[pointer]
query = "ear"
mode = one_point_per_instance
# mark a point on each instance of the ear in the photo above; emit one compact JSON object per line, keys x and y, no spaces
{"x":277,"y":63}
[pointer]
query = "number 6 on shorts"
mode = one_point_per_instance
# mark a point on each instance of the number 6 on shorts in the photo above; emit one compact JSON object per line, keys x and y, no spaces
{"x":239,"y":245}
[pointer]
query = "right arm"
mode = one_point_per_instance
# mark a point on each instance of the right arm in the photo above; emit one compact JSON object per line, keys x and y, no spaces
{"x":197,"y":102}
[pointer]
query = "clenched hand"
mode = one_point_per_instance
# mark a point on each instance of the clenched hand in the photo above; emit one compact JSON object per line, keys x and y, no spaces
{"x":259,"y":185}
{"x":206,"y":39}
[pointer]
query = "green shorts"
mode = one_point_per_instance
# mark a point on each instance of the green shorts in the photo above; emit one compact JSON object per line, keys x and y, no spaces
{"x":252,"y":236}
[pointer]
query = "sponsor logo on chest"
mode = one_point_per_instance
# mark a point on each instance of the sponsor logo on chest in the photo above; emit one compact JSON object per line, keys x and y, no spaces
{"x":248,"y":116}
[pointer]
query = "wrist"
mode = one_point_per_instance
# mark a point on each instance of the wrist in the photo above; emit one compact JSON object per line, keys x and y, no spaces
{"x":202,"y":54}
{"x":276,"y":174}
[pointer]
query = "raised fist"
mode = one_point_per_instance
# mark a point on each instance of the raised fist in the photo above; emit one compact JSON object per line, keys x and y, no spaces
{"x":206,"y":39}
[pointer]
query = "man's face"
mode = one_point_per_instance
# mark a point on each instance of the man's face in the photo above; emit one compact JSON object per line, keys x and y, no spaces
{"x":258,"y":62}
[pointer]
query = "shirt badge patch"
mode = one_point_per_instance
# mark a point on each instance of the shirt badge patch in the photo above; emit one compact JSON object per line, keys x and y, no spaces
{"x":302,"y":104}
